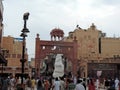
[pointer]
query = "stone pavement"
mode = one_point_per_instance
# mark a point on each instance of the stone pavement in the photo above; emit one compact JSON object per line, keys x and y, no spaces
{"x":98,"y":89}
{"x":86,"y":89}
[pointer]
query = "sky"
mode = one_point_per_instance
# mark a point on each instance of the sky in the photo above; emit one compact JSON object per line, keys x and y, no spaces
{"x":46,"y":15}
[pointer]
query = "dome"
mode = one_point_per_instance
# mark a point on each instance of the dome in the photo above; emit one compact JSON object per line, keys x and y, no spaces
{"x":57,"y":32}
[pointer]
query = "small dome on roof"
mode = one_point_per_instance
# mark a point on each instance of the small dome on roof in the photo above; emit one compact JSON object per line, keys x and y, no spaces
{"x":57,"y":32}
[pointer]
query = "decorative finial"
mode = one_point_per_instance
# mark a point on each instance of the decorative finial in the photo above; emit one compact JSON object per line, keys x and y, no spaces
{"x":37,"y":35}
{"x":93,"y":26}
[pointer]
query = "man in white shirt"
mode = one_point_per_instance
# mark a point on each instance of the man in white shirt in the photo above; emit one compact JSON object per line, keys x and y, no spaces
{"x":79,"y":86}
{"x":116,"y":84}
{"x":56,"y":84}
{"x":97,"y":84}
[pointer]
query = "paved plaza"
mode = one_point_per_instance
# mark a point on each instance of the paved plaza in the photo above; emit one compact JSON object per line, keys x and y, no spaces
{"x":86,"y":89}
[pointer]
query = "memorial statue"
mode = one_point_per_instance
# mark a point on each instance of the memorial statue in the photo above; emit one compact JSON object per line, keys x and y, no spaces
{"x":58,"y":66}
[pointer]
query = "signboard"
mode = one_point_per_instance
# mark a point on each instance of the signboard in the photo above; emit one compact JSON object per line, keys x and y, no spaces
{"x":99,"y":73}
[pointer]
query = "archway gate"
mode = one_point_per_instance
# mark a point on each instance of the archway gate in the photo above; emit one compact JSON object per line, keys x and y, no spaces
{"x":44,"y":48}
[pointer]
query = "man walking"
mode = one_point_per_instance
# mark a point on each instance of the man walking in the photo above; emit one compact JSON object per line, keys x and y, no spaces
{"x":79,"y":86}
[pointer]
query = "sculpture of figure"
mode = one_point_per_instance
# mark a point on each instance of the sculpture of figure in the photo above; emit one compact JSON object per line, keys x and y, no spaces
{"x":59,"y":67}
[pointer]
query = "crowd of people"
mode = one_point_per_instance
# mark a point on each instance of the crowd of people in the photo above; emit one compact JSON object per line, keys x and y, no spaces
{"x":58,"y":83}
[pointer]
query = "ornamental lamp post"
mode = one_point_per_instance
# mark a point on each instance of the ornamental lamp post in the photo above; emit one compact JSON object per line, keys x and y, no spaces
{"x":24,"y":35}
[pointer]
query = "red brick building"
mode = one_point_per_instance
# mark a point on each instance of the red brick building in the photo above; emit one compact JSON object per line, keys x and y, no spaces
{"x":44,"y":49}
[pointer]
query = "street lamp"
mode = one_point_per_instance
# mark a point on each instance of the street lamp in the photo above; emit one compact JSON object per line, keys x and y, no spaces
{"x":23,"y":35}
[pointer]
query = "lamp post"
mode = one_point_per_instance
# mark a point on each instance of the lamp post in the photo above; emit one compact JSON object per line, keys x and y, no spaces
{"x":23,"y":35}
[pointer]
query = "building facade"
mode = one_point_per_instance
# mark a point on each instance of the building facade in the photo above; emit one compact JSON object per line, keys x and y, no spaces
{"x":96,"y":52}
{"x":1,"y":20}
{"x":46,"y":50}
{"x":32,"y":67}
{"x":3,"y":61}
{"x":12,"y":48}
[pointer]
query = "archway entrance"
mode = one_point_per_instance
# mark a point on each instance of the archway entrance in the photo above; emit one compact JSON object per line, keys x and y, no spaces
{"x":47,"y":66}
{"x":45,"y":48}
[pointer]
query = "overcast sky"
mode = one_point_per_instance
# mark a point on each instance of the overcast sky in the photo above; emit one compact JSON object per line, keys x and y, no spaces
{"x":46,"y":15}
